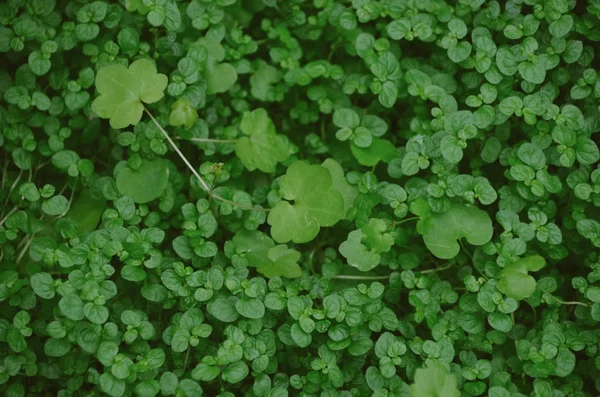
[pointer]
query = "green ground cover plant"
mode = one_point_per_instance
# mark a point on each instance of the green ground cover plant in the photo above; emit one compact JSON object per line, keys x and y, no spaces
{"x":269,"y":198}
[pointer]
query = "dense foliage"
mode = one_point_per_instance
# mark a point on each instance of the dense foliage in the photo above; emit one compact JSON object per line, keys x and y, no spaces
{"x":266,"y":198}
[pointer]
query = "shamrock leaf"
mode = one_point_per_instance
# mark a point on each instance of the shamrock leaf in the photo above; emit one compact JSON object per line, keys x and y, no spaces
{"x":380,"y":150}
{"x":434,"y":381}
{"x":122,"y":91}
{"x":256,"y":249}
{"x":441,"y":232}
{"x":263,"y":148}
{"x":363,"y":247}
{"x":183,"y":113}
{"x":283,"y":263}
{"x":145,"y":183}
{"x":340,"y":183}
{"x":219,"y":76}
{"x":316,"y":204}
{"x":515,"y":282}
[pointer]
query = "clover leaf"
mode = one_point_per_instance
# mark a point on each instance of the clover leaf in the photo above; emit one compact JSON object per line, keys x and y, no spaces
{"x":283,"y":263}
{"x":145,"y":183}
{"x":256,"y":249}
{"x":122,"y":91}
{"x":363,"y":247}
{"x":182,"y":113}
{"x":219,"y":76}
{"x":434,"y":381}
{"x":340,"y":183}
{"x":262,"y":148}
{"x":515,"y":281}
{"x":380,"y":150}
{"x":441,"y":232}
{"x":316,"y":204}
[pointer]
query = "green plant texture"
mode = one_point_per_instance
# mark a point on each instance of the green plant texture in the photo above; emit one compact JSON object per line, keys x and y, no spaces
{"x":312,"y":198}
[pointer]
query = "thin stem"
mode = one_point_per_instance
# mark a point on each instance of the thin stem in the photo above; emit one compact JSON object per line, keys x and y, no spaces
{"x":22,"y":253}
{"x":4,"y":172}
{"x":185,"y":160}
{"x":437,"y":269}
{"x":70,"y":198}
{"x":562,"y":302}
{"x":396,"y":223}
{"x":7,"y":215}
{"x":187,"y":356}
{"x":12,"y":187}
{"x":208,"y":140}
{"x":349,"y":277}
{"x":204,"y":185}
{"x":464,"y":248}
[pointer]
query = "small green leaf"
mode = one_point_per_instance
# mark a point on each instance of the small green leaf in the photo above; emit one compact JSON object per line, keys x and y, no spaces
{"x":262,"y":148}
{"x":444,"y":230}
{"x":146,"y":183}
{"x":515,"y":281}
{"x":284,"y":263}
{"x":316,"y":204}
{"x":434,"y":381}
{"x":182,"y":113}
{"x":122,"y":91}
{"x":380,"y":150}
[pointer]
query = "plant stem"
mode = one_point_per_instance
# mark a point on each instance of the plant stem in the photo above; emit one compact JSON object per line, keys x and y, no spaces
{"x":462,"y":246}
{"x":204,"y":185}
{"x":7,"y":215}
{"x":12,"y":187}
{"x":396,"y":223}
{"x":187,"y":356}
{"x":437,"y":269}
{"x":562,"y":302}
{"x":349,"y":277}
{"x":22,"y":253}
{"x":208,"y":140}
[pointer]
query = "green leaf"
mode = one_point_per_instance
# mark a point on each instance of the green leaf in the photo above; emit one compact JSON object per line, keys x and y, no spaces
{"x":316,"y":204}
{"x":56,"y":347}
{"x":112,"y":386}
{"x":223,"y":309}
{"x":235,"y":372}
{"x":182,"y":113}
{"x":340,"y":183}
{"x":263,"y":148}
{"x":43,"y":285}
{"x":515,"y":281}
{"x":283,"y":263}
{"x":443,"y":231}
{"x":145,"y":184}
{"x":362,"y":248}
{"x":380,"y":150}
{"x":56,"y":205}
{"x":434,"y":381}
{"x":122,"y":91}
{"x":250,"y":308}
{"x":72,"y":307}
{"x":219,"y":76}
{"x":86,"y":212}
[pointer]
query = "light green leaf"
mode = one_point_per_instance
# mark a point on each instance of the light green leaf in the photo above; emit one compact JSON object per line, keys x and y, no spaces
{"x":316,"y":204}
{"x":122,"y":91}
{"x":362,"y":248}
{"x":380,"y":150}
{"x":434,"y":381}
{"x":443,"y":231}
{"x":283,"y":263}
{"x":183,"y":114}
{"x":263,"y":148}
{"x":146,"y":183}
{"x":340,"y":183}
{"x":515,"y":281}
